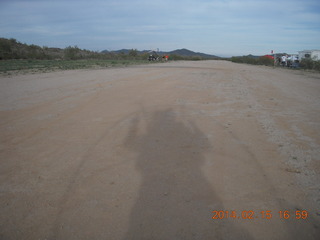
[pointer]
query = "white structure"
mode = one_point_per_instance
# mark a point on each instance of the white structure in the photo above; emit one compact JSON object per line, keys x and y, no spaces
{"x":312,"y":54}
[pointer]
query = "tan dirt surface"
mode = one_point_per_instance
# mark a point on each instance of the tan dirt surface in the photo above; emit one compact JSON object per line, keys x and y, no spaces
{"x":150,"y":152}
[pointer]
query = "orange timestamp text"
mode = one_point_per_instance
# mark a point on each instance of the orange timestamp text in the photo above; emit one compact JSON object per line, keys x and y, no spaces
{"x":248,"y":214}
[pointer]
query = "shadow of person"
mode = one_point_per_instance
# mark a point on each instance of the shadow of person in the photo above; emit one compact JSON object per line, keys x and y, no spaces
{"x":175,"y":200}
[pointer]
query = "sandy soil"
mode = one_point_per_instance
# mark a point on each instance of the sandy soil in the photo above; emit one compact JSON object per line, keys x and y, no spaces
{"x":149,"y":152}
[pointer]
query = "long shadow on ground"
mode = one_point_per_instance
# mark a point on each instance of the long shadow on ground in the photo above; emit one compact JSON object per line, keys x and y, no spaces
{"x":175,"y":200}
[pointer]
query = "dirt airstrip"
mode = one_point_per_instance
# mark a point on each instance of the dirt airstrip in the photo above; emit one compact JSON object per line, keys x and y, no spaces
{"x":158,"y":151}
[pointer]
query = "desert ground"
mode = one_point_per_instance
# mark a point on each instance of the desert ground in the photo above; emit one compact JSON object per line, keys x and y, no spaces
{"x":159,"y":151}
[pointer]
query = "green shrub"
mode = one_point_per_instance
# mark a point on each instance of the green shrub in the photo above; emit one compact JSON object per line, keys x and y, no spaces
{"x":316,"y":65}
{"x":71,"y":53}
{"x":266,"y":61}
{"x":308,"y":63}
{"x":253,"y":60}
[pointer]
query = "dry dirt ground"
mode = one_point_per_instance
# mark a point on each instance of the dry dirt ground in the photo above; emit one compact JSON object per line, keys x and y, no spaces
{"x":150,"y":152}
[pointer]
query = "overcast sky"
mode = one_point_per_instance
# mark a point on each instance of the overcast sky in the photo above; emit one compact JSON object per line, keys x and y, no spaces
{"x":220,"y":27}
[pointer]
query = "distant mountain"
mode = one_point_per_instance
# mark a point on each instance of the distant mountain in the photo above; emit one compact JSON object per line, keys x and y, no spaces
{"x":125,"y":51}
{"x":253,"y":56}
{"x":180,"y":52}
{"x":189,"y":53}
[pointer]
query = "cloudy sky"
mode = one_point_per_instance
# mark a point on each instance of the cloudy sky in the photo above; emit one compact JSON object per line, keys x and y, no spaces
{"x":220,"y":27}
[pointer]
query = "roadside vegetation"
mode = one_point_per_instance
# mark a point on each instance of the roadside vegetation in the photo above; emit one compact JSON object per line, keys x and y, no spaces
{"x":310,"y":64}
{"x":24,"y":65}
{"x":19,"y":57}
{"x":253,"y":60}
{"x":176,"y":57}
{"x":12,"y":49}
{"x":306,"y":64}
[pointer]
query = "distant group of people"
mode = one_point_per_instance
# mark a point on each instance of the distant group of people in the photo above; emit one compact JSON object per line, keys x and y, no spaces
{"x":165,"y":58}
{"x":288,"y":61}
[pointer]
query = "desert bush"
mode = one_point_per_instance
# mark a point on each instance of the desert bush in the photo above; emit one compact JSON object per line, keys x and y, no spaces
{"x":253,"y":60}
{"x":176,"y":57}
{"x":245,"y":59}
{"x":308,"y":63}
{"x":316,"y":65}
{"x":6,"y":51}
{"x":133,"y":53}
{"x":196,"y":58}
{"x":72,"y":53}
{"x":266,"y":61}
